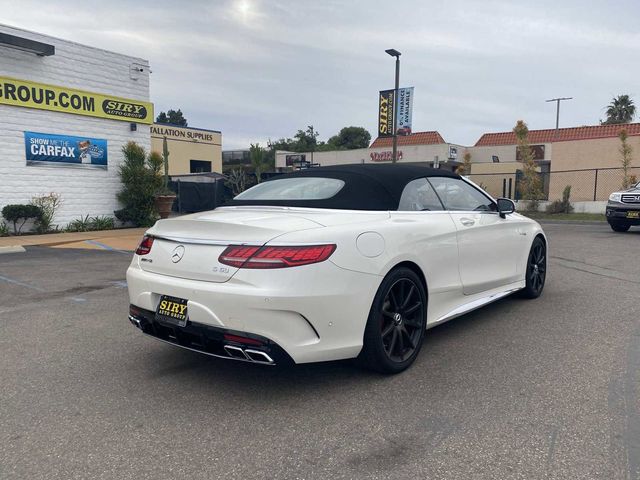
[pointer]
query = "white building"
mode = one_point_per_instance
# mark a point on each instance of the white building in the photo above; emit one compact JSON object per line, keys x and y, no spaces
{"x":66,"y":110}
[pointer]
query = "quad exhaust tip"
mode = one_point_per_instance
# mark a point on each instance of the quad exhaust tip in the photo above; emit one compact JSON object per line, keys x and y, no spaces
{"x":135,"y":321}
{"x":233,"y":352}
{"x":249,"y":355}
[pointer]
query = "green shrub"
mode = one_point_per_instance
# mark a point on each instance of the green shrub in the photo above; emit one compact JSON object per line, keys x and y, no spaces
{"x":17,"y":212}
{"x":4,"y":230}
{"x":49,"y":204}
{"x":90,"y":224}
{"x":141,"y":180}
{"x":102,"y":223}
{"x":564,"y":205}
{"x":82,"y":224}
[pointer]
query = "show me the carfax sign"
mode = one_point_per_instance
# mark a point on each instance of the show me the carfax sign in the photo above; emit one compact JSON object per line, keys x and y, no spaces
{"x":24,"y":93}
{"x":56,"y":150}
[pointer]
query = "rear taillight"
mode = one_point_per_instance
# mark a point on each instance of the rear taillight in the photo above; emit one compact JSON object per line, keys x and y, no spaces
{"x":145,"y":245}
{"x":242,"y":256}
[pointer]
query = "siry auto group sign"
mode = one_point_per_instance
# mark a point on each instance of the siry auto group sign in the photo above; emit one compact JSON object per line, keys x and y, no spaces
{"x":395,"y":111}
{"x":386,"y":113}
{"x":24,"y":93}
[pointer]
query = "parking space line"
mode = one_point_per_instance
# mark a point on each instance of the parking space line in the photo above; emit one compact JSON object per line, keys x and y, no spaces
{"x":22,"y":284}
{"x":105,"y":246}
{"x":37,"y":289}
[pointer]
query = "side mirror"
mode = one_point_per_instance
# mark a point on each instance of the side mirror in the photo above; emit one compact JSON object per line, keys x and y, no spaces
{"x":505,"y":206}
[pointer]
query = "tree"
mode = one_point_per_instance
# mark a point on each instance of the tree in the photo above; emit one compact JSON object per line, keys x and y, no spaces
{"x":530,"y":185}
{"x":141,"y":179}
{"x":257,"y":155}
{"x":285,"y":144}
{"x":174,"y":117}
{"x":620,"y":110}
{"x":305,"y":140}
{"x":350,"y":138}
{"x":626,"y":152}
{"x":465,"y":168}
{"x":237,"y":181}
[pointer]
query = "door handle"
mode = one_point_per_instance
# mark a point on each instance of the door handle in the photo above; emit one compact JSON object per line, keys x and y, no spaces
{"x":467,"y":222}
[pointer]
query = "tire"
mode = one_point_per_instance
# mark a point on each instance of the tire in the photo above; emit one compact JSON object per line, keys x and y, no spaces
{"x":536,"y":269}
{"x":620,"y":227}
{"x":397,"y":323}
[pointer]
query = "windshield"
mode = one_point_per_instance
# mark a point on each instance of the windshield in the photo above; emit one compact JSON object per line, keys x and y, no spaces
{"x":302,"y":188}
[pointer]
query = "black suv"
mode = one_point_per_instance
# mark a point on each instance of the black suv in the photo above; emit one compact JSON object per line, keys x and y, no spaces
{"x":623,"y":209}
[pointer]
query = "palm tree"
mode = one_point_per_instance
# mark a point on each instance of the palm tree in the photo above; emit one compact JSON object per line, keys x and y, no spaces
{"x":620,"y":110}
{"x":258,"y":163}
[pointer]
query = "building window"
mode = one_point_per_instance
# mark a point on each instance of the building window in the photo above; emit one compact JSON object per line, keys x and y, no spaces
{"x":199,"y":166}
{"x":235,"y":158}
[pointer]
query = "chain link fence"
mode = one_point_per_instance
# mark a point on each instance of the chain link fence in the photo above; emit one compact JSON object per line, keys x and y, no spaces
{"x":586,"y":184}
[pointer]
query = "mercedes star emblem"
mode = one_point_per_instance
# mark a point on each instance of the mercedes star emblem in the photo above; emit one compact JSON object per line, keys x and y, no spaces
{"x":177,"y":254}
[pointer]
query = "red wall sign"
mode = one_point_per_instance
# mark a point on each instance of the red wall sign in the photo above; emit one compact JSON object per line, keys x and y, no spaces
{"x":384,"y":156}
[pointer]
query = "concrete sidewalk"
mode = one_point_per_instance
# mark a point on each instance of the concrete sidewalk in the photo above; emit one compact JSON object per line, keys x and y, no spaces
{"x":120,"y":239}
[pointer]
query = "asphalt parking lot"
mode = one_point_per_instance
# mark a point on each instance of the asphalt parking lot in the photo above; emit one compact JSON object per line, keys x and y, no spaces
{"x":548,"y":388}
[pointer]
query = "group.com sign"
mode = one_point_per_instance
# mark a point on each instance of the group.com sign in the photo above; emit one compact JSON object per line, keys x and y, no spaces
{"x":46,"y":96}
{"x":23,"y":93}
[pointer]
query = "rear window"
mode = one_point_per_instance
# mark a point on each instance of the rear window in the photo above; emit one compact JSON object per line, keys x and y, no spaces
{"x":301,"y":188}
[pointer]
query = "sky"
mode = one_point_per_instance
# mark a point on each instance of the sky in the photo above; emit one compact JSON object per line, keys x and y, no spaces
{"x":259,"y":70}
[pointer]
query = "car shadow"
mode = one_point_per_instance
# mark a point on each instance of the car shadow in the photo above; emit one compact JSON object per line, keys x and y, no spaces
{"x":207,"y":372}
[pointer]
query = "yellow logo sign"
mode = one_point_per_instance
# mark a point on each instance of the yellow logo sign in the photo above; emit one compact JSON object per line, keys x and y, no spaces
{"x":22,"y":93}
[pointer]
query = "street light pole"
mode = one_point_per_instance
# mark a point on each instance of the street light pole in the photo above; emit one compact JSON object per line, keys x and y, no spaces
{"x":313,"y":146}
{"x":558,"y":100}
{"x":395,"y":53}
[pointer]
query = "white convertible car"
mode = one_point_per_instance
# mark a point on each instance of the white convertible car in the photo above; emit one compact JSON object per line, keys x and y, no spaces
{"x":333,"y":263}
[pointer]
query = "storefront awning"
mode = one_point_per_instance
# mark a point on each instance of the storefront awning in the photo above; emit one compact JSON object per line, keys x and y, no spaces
{"x":27,"y":45}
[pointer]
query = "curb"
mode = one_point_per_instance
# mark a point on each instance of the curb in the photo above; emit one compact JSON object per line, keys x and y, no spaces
{"x":68,"y":237}
{"x":572,"y":222}
{"x":12,"y":249}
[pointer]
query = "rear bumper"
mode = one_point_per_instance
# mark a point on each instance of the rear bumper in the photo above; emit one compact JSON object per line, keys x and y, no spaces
{"x":211,"y":340}
{"x":313,"y":313}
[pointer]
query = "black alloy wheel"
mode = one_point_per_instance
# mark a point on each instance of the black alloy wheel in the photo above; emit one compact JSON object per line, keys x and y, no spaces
{"x":536,"y":273}
{"x":402,"y":320}
{"x":397,"y":322}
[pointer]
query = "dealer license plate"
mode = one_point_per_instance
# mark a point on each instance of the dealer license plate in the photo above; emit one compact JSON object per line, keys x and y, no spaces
{"x":633,"y":214}
{"x":172,"y":310}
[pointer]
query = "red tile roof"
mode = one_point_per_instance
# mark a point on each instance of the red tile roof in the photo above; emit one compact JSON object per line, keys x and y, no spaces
{"x":418,"y":138}
{"x":564,"y":134}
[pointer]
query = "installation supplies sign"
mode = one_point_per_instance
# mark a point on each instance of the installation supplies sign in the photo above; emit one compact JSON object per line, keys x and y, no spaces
{"x":23,"y":93}
{"x":405,"y":110}
{"x":50,"y":149}
{"x":386,"y":110}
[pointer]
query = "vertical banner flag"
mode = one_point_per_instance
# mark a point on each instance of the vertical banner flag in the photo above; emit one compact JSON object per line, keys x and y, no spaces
{"x":405,"y":110}
{"x":386,"y":113}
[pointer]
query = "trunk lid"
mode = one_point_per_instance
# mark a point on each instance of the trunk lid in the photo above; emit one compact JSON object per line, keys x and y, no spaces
{"x":189,"y":246}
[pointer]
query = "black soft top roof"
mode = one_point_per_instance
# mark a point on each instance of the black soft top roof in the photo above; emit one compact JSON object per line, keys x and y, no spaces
{"x":367,"y":186}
